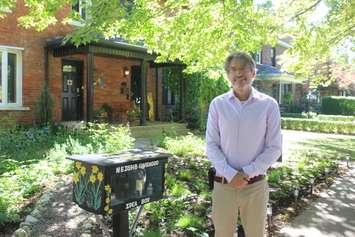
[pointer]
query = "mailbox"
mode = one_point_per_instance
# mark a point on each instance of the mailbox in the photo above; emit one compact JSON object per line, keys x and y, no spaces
{"x":108,"y":184}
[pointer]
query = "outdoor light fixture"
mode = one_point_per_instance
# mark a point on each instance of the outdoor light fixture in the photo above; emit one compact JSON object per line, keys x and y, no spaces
{"x":125,"y":71}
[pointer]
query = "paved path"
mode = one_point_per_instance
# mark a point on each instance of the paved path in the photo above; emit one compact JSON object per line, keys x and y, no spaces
{"x":332,"y":215}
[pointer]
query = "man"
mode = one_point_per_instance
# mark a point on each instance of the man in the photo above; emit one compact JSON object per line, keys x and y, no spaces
{"x":243,"y":140}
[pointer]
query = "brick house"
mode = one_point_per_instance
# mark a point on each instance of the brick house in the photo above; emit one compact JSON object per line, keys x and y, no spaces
{"x":108,"y":75}
{"x":281,"y":85}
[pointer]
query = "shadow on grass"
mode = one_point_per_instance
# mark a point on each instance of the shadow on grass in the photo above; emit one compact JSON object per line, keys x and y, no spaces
{"x":338,"y":148}
{"x":20,"y":149}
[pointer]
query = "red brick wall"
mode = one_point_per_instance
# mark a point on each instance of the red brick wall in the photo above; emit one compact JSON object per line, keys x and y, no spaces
{"x":32,"y":58}
{"x":109,"y":69}
{"x":266,"y":55}
{"x":110,"y":72}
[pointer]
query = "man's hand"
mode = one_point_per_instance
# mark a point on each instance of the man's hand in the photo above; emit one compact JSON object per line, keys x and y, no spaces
{"x":239,"y":180}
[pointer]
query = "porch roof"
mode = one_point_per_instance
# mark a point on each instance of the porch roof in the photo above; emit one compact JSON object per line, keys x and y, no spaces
{"x":112,"y":47}
{"x":267,"y":72}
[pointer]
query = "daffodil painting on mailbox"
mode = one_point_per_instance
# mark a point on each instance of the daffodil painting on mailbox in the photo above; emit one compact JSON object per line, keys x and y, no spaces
{"x":106,"y":184}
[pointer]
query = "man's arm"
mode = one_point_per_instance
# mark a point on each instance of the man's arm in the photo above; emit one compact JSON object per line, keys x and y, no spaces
{"x":213,"y":145}
{"x":273,"y":144}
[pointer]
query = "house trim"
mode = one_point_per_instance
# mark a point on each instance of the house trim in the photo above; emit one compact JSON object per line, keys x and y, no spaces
{"x":284,"y":44}
{"x":18,"y":52}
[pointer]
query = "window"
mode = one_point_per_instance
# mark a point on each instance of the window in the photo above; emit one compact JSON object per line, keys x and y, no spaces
{"x":168,"y":96}
{"x":258,"y":57}
{"x":10,"y":77}
{"x":79,"y":7}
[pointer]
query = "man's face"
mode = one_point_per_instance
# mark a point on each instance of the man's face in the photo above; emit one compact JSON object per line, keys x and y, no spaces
{"x":240,"y":75}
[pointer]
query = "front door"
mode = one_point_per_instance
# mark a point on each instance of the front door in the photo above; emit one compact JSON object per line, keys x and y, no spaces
{"x":72,"y":93}
{"x":136,"y":83}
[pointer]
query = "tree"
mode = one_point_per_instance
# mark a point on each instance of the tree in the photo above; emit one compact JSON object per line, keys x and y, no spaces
{"x":317,"y":38}
{"x":199,"y":33}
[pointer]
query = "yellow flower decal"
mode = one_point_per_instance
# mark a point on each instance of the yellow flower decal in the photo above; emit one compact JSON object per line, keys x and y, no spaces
{"x":78,"y":165}
{"x":108,"y":188}
{"x":94,"y":169}
{"x":100,"y":176}
{"x":106,"y":208}
{"x":76,"y":177}
{"x":107,"y":200}
{"x":110,"y":211}
{"x":82,"y":170}
{"x":92,"y":178}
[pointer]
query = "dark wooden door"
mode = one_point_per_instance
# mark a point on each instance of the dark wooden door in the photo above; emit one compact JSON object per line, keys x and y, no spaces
{"x":72,"y":93}
{"x":136,"y":83}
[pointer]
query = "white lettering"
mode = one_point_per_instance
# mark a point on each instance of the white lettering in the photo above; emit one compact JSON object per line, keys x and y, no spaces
{"x":145,"y":200}
{"x":131,"y":167}
{"x":131,"y":205}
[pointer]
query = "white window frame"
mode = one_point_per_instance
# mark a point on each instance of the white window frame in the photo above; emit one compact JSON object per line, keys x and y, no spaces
{"x":4,"y":105}
{"x":258,"y":57}
{"x":81,"y":22}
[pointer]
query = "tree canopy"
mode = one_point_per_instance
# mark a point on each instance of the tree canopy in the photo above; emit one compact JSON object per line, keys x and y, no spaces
{"x":200,"y":33}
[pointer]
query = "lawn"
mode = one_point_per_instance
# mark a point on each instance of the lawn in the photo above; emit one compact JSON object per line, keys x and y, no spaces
{"x":325,"y":144}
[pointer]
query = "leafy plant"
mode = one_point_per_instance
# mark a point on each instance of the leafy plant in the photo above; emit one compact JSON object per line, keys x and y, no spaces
{"x":44,"y":106}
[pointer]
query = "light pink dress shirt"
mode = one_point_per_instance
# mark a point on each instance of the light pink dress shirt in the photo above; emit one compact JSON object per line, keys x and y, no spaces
{"x":243,"y":135}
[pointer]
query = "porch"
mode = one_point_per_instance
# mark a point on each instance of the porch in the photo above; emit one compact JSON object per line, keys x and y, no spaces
{"x":109,"y":81}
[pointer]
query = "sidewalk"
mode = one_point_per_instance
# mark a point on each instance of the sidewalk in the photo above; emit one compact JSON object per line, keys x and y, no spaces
{"x":332,"y":215}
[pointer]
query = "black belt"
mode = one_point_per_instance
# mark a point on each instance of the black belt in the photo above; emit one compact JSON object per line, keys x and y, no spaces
{"x":223,"y":180}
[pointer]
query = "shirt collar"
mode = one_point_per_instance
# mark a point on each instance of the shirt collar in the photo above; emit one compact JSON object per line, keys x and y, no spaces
{"x":253,"y":94}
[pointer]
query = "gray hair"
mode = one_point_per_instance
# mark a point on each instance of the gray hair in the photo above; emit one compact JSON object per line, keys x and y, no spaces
{"x":245,"y":58}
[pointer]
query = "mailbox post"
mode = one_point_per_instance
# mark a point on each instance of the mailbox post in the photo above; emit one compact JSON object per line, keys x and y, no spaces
{"x":113,"y":184}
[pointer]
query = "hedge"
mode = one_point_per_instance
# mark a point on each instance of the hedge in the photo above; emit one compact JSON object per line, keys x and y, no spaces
{"x":314,"y":125}
{"x":312,"y":115}
{"x":338,"y":105}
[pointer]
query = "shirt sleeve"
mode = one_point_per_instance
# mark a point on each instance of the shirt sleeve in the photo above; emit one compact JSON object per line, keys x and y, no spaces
{"x":273,"y":144}
{"x":213,"y":145}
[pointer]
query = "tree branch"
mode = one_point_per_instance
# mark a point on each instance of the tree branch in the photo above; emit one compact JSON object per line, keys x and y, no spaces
{"x":306,"y":10}
{"x":338,"y":37}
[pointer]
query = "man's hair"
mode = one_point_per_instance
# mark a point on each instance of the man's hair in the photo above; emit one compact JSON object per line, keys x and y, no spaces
{"x":245,"y":58}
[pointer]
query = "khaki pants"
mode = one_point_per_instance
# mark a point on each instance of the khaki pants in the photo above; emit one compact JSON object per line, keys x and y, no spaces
{"x":251,"y":202}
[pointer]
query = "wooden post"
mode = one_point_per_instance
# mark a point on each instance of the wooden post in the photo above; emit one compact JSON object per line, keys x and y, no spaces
{"x":143,"y":102}
{"x":89,"y":85}
{"x":120,"y":224}
{"x":157,"y":114}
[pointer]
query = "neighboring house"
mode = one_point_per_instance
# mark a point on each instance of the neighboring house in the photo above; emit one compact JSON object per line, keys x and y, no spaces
{"x":343,"y":84}
{"x":271,"y":80}
{"x":108,"y":75}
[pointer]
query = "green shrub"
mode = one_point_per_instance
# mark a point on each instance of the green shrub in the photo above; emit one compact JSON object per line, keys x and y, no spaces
{"x":185,"y":145}
{"x":31,"y":157}
{"x":318,"y":125}
{"x":44,"y":106}
{"x":201,"y":89}
{"x":189,"y":220}
{"x":336,"y":118}
{"x":338,"y":105}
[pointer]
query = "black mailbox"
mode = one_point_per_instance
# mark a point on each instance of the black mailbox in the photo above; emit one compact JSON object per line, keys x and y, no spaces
{"x":108,"y":184}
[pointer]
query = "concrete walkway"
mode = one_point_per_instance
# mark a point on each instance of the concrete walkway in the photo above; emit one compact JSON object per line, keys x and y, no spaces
{"x":332,"y":215}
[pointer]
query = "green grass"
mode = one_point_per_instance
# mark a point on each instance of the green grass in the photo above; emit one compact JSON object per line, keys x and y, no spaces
{"x":333,"y":148}
{"x":32,"y":157}
{"x":188,"y":200}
